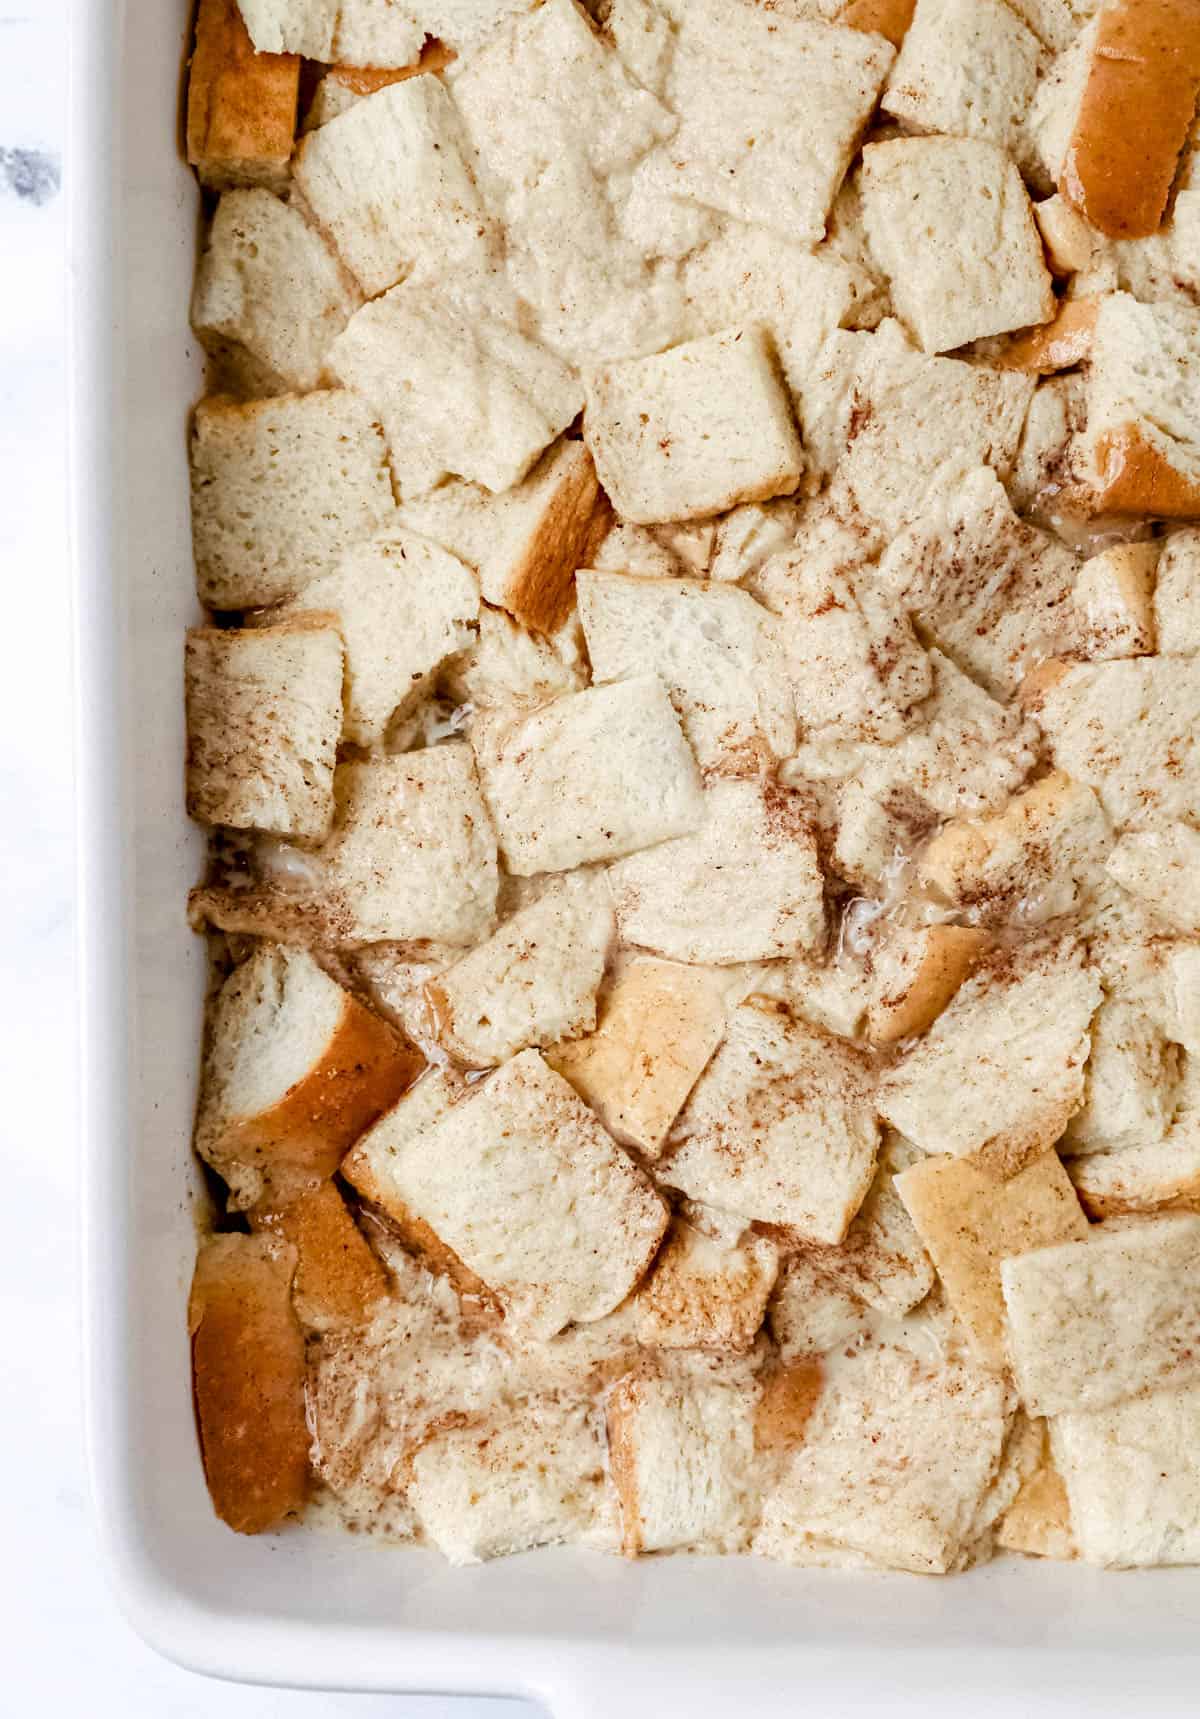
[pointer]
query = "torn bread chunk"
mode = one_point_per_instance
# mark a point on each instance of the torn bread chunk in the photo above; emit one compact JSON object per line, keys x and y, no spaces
{"x":1132,"y":1474}
{"x":389,"y":184}
{"x":338,"y":1279}
{"x":1177,"y":594}
{"x":951,"y":223}
{"x":269,"y":294}
{"x":533,"y":982}
{"x":521,"y":1182}
{"x":264,"y":717}
{"x":829,"y":993}
{"x":1159,"y":1177}
{"x":526,"y":543}
{"x":992,"y":591}
{"x":1128,"y":729}
{"x":915,"y":972}
{"x":1143,"y":407}
{"x":682,"y":1458}
{"x":746,"y":537}
{"x":746,"y":886}
{"x":1070,"y":243}
{"x":280,"y":488}
{"x":812,"y":1312}
{"x":1060,"y":344}
{"x":658,"y":1026}
{"x":1094,"y":1321}
{"x":403,"y":607}
{"x":295,"y":1068}
{"x":811,"y":89}
{"x":693,"y":431}
{"x":899,"y":1466}
{"x":780,"y":1127}
{"x":515,"y":1480}
{"x":1003,"y":1065}
{"x":1038,"y":1521}
{"x":1114,"y":599}
{"x":342,"y":86}
{"x":241,"y":105}
{"x":248,"y":1373}
{"x":1162,"y":866}
{"x":704,"y":1293}
{"x":971,"y":1221}
{"x":967,"y":68}
{"x":458,"y":391}
{"x":510,"y":668}
{"x":1132,"y":1082}
{"x":590,"y":777}
{"x":718,"y":653}
{"x":1032,"y":861}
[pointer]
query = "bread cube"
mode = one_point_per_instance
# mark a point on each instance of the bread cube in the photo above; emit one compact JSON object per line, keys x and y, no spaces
{"x":264,"y":716}
{"x":458,"y":392}
{"x":521,"y":1182}
{"x":915,"y":973}
{"x":241,"y":106}
{"x":1132,"y":1474}
{"x":952,"y":225}
{"x":1038,"y":1521}
{"x":1162,"y":1176}
{"x":658,"y":1026}
{"x":338,"y":1280}
{"x":295,"y":26}
{"x":1003,"y":1065}
{"x":812,"y":1312}
{"x":1132,"y":1082}
{"x":1177,"y":594}
{"x":718,"y":653}
{"x":518,"y":1479}
{"x":1114,"y":596}
{"x":703,"y":1293}
{"x":592,"y":776}
{"x":992,"y":591}
{"x":533,"y":982}
{"x":509,"y":668}
{"x":970,"y":1221}
{"x":1070,"y":243}
{"x":829,"y":993}
{"x":1129,"y":730}
{"x":966,"y":67}
{"x":682,"y":1458}
{"x":526,"y":543}
{"x":780,"y":1127}
{"x":1143,"y":408}
{"x":1054,"y":22}
{"x":693,"y":431}
{"x":248,"y":1372}
{"x":1162,"y":866}
{"x":403,"y":606}
{"x":280,"y":488}
{"x":294,"y":1070}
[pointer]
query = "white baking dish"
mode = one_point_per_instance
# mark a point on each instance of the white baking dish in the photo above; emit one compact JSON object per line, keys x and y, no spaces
{"x":589,"y":1635}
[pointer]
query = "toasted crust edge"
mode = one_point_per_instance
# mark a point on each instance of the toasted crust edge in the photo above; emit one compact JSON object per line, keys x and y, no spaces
{"x":241,"y":106}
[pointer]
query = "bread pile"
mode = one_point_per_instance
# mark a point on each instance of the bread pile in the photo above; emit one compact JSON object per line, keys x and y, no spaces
{"x":697,"y":715}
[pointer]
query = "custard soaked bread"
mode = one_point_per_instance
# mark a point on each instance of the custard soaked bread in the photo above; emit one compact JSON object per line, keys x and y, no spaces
{"x":698,"y":504}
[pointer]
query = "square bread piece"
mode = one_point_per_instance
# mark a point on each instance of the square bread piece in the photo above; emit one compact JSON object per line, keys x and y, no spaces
{"x":521,"y":1182}
{"x":658,"y":1026}
{"x":403,"y":606}
{"x":589,"y":777}
{"x":533,"y":982}
{"x":682,"y":1457}
{"x":1177,"y":594}
{"x":389,"y":183}
{"x":968,"y":68}
{"x":781,"y":1126}
{"x":517,"y":1479}
{"x":459,"y":392}
{"x":1144,"y":407}
{"x":693,"y":431}
{"x":718,"y":653}
{"x":1003,"y":1065}
{"x":526,"y":543}
{"x":241,"y":105}
{"x":970,"y":1221}
{"x":1132,"y":1474}
{"x":280,"y":488}
{"x":1161,"y":1176}
{"x":1100,"y":1319}
{"x":264,"y":716}
{"x":951,"y":223}
{"x":747,"y":886}
{"x":269,"y":294}
{"x":811,"y":89}
{"x":704,"y":1292}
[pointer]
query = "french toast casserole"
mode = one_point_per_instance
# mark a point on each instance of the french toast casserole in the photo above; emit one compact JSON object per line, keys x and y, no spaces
{"x":697,"y":505}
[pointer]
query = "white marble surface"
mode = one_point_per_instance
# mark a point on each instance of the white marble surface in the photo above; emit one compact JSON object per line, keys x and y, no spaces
{"x":67,"y":1649}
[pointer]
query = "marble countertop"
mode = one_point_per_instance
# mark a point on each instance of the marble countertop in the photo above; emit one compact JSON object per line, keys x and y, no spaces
{"x":68,"y":1650}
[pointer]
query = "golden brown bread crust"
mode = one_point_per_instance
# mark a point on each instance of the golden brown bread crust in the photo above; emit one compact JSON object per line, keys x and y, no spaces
{"x":1126,"y":1193}
{"x":953,"y":952}
{"x":620,"y":1409}
{"x":338,"y":1279}
{"x":1134,"y":116}
{"x":1134,"y":477}
{"x":365,"y":80}
{"x":542,"y":585}
{"x":787,"y":1404}
{"x":1038,"y":1520}
{"x":890,"y":18}
{"x":1056,"y":345}
{"x":241,"y":114}
{"x":248,"y":1378}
